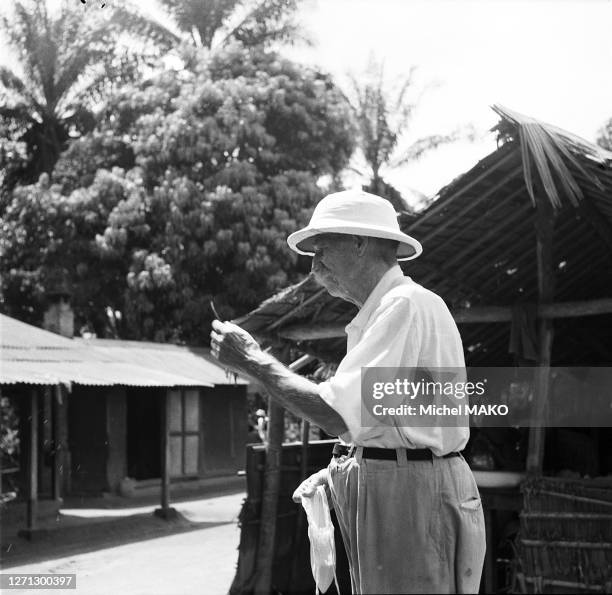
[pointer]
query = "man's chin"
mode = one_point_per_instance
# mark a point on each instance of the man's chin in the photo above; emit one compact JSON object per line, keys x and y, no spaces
{"x":331,"y":287}
{"x":324,"y":282}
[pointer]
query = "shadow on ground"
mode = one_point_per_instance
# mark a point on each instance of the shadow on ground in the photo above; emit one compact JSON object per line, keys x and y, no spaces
{"x":113,"y":526}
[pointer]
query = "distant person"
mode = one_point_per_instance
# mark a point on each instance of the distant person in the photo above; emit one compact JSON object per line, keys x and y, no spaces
{"x":262,"y":425}
{"x":407,"y":503}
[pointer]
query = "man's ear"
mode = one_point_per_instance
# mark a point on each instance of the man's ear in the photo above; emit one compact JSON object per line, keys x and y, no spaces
{"x":361,"y":244}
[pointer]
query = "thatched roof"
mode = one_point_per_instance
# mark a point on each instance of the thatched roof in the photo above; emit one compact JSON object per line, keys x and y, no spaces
{"x":479,"y":245}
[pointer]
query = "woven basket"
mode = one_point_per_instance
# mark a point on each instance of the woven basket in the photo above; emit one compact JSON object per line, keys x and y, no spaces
{"x":572,"y":526}
{"x":558,"y":495}
{"x":565,"y":541}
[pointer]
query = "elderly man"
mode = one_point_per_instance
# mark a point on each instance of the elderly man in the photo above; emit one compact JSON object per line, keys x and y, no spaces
{"x":407,"y":503}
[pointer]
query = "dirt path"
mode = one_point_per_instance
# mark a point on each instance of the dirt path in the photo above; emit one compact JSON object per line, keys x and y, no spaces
{"x":191,"y":560}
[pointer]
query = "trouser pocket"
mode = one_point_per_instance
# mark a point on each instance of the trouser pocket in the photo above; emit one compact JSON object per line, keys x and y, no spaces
{"x":471,"y":545}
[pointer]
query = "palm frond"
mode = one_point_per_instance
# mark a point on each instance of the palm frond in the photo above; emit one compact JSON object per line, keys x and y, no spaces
{"x":19,"y":112}
{"x":548,"y":152}
{"x":23,"y":35}
{"x":10,"y":81}
{"x":422,"y":146}
{"x":407,"y":85}
{"x":15,"y":91}
{"x":127,"y":18}
{"x":264,"y":22}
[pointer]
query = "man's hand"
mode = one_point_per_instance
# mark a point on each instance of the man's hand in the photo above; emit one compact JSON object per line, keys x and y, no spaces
{"x":232,"y":345}
{"x":236,"y":349}
{"x":309,"y":486}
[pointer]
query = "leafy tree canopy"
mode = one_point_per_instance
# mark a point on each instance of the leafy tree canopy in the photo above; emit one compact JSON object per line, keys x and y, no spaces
{"x":213,"y":169}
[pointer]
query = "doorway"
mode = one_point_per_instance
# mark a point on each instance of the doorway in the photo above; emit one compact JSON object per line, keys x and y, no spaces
{"x":144,"y":433}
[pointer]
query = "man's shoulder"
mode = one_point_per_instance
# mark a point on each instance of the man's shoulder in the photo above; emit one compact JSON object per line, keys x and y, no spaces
{"x":409,"y":292}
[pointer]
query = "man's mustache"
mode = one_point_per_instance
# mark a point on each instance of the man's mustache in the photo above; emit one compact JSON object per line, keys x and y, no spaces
{"x":322,"y":276}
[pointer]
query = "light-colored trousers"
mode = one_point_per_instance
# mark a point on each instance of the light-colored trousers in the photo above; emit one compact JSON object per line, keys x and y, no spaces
{"x":409,"y":526}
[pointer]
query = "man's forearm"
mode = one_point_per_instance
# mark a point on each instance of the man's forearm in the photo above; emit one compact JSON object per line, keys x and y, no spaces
{"x":296,"y":393}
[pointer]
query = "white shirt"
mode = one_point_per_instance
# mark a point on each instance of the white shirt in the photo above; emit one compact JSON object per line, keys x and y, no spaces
{"x":401,"y":324}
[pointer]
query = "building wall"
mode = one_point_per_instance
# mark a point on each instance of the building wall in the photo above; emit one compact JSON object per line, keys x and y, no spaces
{"x":98,"y":432}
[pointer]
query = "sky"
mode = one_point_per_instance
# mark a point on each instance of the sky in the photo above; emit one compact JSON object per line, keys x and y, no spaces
{"x":548,"y":59}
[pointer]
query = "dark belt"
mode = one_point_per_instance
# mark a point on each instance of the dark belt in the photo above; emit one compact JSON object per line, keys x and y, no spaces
{"x":390,"y":454}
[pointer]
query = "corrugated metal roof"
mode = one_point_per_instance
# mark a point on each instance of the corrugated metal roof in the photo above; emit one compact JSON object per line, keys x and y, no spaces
{"x":92,"y":373}
{"x":30,"y":355}
{"x":15,"y":334}
{"x":187,"y":362}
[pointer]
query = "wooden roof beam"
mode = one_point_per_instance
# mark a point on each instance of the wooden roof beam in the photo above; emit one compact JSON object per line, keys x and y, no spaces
{"x":475,"y":315}
{"x":487,"y":337}
{"x":497,"y":207}
{"x":315,"y":296}
{"x":496,"y":343}
{"x":585,"y":264}
{"x":449,"y":281}
{"x":517,"y":259}
{"x":590,"y":264}
{"x":494,"y":232}
{"x":545,"y":224}
{"x":599,"y":223}
{"x":487,"y":171}
{"x":470,"y":206}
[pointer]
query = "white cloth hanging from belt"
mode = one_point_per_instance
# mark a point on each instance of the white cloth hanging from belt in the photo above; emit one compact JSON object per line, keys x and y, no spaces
{"x":321,"y":535}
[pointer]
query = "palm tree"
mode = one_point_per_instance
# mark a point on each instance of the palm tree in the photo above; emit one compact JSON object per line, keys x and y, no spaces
{"x":208,"y":23}
{"x":383,"y":116}
{"x":65,"y":61}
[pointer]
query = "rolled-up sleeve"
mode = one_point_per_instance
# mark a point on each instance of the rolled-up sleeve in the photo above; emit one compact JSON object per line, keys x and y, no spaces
{"x":392,"y":340}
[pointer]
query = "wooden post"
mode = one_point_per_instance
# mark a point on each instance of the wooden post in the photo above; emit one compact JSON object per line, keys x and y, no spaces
{"x":32,"y":507}
{"x":305,"y":441}
{"x":66,"y":454}
{"x":165,"y":512}
{"x":58,"y":444}
{"x":544,"y":246}
{"x":269,"y":500}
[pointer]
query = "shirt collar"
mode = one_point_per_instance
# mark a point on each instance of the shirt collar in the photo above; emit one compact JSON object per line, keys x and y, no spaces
{"x":387,"y":281}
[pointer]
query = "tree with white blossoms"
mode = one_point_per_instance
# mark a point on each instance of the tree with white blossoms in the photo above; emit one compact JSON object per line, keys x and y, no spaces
{"x":187,"y":190}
